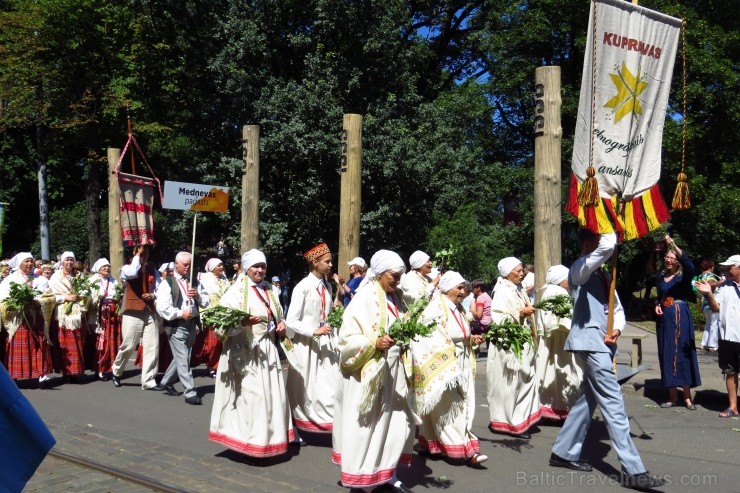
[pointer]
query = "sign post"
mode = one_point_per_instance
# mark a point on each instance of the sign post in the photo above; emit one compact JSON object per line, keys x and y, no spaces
{"x":197,"y":198}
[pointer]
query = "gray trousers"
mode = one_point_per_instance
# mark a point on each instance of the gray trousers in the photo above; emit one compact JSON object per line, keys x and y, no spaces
{"x":181,"y":339}
{"x":600,"y":387}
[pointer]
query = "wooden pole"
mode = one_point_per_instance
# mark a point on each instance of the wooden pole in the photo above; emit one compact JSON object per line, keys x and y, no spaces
{"x":612,"y":293}
{"x":547,"y":179}
{"x":250,"y":187}
{"x":115,"y":248}
{"x":351,"y":192}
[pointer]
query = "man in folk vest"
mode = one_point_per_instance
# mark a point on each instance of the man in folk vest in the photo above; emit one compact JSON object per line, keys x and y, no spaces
{"x":177,"y":303}
{"x":139,"y":320}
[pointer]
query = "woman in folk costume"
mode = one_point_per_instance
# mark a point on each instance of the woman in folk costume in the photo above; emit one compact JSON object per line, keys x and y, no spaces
{"x":444,"y":376}
{"x":313,"y":375}
{"x":417,"y":283}
{"x":71,"y":319}
{"x":558,"y":371}
{"x":207,"y":347}
{"x":374,"y":425}
{"x":27,"y":350}
{"x":250,"y":407}
{"x":512,"y":387}
{"x":104,"y":317}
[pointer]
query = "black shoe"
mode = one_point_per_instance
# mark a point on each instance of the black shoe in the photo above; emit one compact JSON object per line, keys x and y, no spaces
{"x":194,"y":400}
{"x":103,"y":377}
{"x":157,"y":388}
{"x":400,"y":488}
{"x":116,"y":381}
{"x":170,"y":390}
{"x":576,"y":465}
{"x":45,"y":383}
{"x":522,"y":436}
{"x":643,"y":481}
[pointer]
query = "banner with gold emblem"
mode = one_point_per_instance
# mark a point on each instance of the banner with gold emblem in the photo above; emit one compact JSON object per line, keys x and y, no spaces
{"x":626,"y":81}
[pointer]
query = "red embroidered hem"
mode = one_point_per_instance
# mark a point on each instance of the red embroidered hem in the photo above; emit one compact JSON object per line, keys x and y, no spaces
{"x":312,"y":427}
{"x":249,"y":449}
{"x":520,"y":428}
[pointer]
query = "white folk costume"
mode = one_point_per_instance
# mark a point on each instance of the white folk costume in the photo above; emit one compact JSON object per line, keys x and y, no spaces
{"x":72,"y":324}
{"x":103,"y":317}
{"x":27,"y":353}
{"x":250,"y":407}
{"x":558,"y":371}
{"x":444,"y":378}
{"x":373,"y":430}
{"x":512,"y":387}
{"x":313,"y":374}
{"x":414,"y":285}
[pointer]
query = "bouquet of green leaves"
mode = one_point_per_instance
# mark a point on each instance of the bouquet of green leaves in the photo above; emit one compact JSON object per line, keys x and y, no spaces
{"x":221,"y":319}
{"x":509,"y":336}
{"x":335,"y":317}
{"x":561,"y":305}
{"x":118,"y":296}
{"x":81,"y":286}
{"x":408,"y":327}
{"x":20,"y":296}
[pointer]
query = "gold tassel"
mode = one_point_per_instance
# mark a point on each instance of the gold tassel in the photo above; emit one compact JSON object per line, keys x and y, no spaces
{"x":681,"y":199}
{"x":588,"y":195}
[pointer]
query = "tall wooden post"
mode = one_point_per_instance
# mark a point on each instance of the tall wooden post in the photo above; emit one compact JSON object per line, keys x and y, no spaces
{"x":115,"y":248}
{"x":351,"y":192}
{"x":250,"y":187}
{"x":547,"y":179}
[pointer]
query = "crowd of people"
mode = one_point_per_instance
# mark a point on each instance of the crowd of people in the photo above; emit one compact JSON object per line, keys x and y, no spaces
{"x":285,"y":370}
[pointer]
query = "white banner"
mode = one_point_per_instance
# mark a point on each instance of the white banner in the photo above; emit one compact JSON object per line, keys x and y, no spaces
{"x":635,"y":52}
{"x":195,"y":197}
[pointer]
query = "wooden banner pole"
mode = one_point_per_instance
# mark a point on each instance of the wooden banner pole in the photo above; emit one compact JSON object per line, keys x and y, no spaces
{"x":350,"y":198}
{"x":115,"y":242}
{"x":250,"y":188}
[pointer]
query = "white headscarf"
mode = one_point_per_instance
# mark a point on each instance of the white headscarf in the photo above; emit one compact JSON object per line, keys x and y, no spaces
{"x":102,"y":262}
{"x":166,"y":266}
{"x":506,"y":265}
{"x":66,"y":255}
{"x":416,"y":260}
{"x":383,"y":261}
{"x":15,"y":262}
{"x":556,"y":274}
{"x":252,"y":257}
{"x":449,"y":280}
{"x":213,"y":263}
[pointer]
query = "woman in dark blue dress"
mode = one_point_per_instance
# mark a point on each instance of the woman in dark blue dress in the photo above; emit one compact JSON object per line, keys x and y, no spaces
{"x":675,"y":329}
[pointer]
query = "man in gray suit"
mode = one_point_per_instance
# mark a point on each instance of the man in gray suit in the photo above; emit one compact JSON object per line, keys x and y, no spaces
{"x":177,"y":303}
{"x":595,"y":349}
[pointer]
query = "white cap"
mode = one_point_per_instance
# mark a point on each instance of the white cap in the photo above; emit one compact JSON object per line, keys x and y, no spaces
{"x":734,"y":260}
{"x":358,"y":261}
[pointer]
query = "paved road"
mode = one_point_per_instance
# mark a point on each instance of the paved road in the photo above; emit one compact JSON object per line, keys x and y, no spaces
{"x":162,"y":437}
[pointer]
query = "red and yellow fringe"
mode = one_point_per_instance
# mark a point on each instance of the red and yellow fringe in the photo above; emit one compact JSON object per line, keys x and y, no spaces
{"x":639,"y":216}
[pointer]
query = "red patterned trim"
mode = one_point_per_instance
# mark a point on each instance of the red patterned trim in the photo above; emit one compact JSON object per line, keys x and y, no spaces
{"x":367,"y":480}
{"x":134,"y":207}
{"x":336,"y":457}
{"x":469,"y":449}
{"x":520,"y":428}
{"x":313,"y":427}
{"x":405,"y":460}
{"x":247,"y":448}
{"x":556,"y":414}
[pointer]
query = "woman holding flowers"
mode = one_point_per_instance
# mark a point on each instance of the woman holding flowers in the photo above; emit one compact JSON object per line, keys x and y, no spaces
{"x":250,"y":407}
{"x":104,"y":317}
{"x":444,"y":376}
{"x":558,"y":371}
{"x":213,"y":284}
{"x":512,"y":387}
{"x":71,"y":317}
{"x":373,"y":425}
{"x":313,"y":375}
{"x":27,"y":350}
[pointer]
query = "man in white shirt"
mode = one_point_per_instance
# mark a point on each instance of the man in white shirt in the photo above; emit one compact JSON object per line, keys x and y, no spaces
{"x":177,"y":303}
{"x":727,"y":303}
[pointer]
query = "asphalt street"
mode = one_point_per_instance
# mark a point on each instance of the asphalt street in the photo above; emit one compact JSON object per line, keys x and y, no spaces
{"x":161,"y":437}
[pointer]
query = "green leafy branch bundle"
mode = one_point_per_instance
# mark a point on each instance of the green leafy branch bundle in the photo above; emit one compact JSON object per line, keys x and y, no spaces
{"x":407,"y":328}
{"x":222,"y":319}
{"x":561,"y":305}
{"x":335,"y":317}
{"x":81,"y":286}
{"x":509,"y":336}
{"x":20,"y":295}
